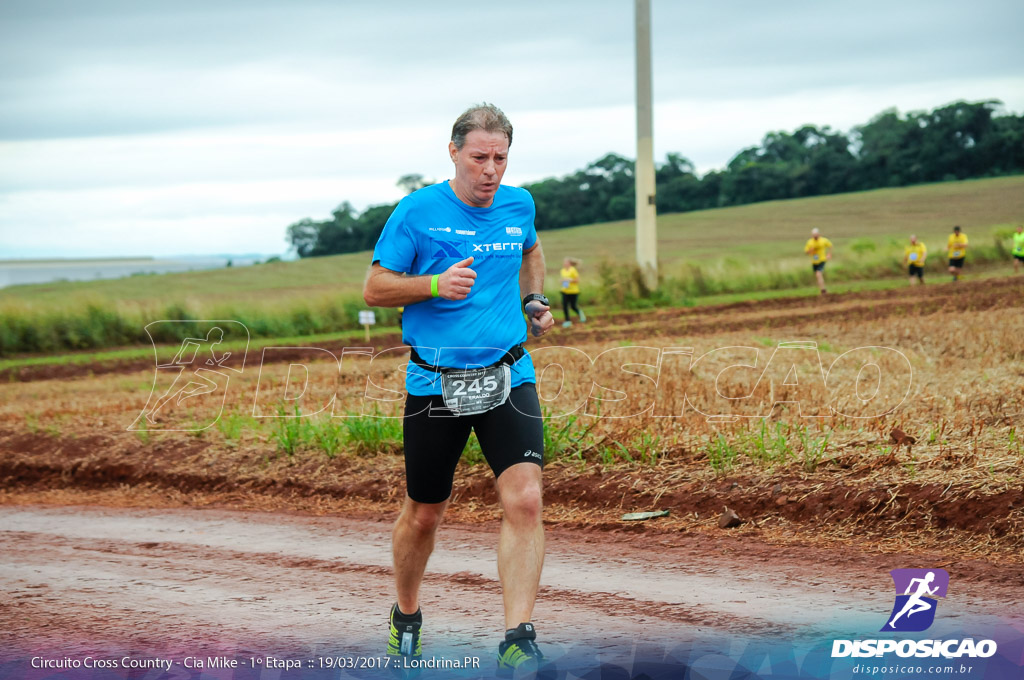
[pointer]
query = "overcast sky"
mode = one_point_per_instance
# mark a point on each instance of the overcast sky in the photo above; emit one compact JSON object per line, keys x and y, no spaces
{"x":146,"y":128}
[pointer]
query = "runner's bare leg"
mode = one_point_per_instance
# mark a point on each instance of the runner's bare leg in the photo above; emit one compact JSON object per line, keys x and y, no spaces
{"x":521,"y":545}
{"x":820,"y":276}
{"x":412,"y":541}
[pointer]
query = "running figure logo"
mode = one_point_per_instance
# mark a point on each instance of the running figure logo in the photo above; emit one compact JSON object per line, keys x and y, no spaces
{"x":198,"y":369}
{"x":916,"y":593}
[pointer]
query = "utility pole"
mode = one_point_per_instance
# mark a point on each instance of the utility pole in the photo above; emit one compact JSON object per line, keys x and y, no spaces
{"x":646,"y":212}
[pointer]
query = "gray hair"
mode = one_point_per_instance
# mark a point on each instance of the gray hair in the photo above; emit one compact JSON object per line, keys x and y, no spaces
{"x":486,"y":117}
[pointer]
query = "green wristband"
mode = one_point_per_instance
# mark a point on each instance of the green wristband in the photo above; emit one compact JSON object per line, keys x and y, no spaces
{"x":433,"y":285}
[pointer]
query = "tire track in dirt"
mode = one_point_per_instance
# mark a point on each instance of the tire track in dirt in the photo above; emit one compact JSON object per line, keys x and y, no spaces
{"x":622,"y":604}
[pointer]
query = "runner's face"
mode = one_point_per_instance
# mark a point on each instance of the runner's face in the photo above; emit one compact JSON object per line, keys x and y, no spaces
{"x":479,"y":166}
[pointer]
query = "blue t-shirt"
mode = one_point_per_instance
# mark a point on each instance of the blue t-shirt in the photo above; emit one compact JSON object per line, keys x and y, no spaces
{"x":429,"y":231}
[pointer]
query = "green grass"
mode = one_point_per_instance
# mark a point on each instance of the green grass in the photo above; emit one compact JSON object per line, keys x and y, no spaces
{"x":255,"y":347}
{"x":291,"y":431}
{"x":768,"y":446}
{"x":79,"y":324}
{"x":231,"y":425}
{"x":721,"y":454}
{"x":372,"y":435}
{"x":729,"y":280}
{"x":328,"y":436}
{"x":776,"y":230}
{"x":708,"y":256}
{"x":833,"y":287}
{"x":275,"y":282}
{"x":354,"y":434}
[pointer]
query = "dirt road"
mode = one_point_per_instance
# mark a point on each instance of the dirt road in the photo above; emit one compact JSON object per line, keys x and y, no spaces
{"x":89,"y":580}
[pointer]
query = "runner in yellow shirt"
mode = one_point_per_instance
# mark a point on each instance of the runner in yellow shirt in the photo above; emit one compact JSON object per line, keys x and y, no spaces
{"x":570,"y":290}
{"x":957,"y":247}
{"x":914,"y":256}
{"x":1018,"y":248}
{"x":820,"y":250}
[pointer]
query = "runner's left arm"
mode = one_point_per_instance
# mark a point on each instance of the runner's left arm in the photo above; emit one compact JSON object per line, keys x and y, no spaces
{"x":531,"y":280}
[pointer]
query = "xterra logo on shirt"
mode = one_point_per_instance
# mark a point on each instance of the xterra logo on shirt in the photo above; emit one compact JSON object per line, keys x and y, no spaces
{"x":496,"y":247}
{"x":441,"y":249}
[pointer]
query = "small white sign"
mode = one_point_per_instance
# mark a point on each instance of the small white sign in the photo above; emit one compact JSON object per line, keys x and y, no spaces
{"x":367,"y":317}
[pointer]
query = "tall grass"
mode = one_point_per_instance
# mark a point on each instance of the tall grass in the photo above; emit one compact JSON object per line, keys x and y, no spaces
{"x":24,"y":328}
{"x":623,"y":285}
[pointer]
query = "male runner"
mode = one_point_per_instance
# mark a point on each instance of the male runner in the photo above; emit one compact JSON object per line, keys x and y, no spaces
{"x":1018,"y":248}
{"x":464,"y":260}
{"x":914,"y":256}
{"x":957,"y":247}
{"x":820,"y":250}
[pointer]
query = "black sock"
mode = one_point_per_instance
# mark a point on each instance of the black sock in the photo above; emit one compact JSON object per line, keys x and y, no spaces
{"x":523,"y":630}
{"x":408,"y":618}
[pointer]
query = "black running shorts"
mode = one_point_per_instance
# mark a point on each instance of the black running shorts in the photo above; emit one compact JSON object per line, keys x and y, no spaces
{"x":956,"y":262}
{"x":818,"y":266}
{"x":434,"y":439}
{"x":916,"y":270}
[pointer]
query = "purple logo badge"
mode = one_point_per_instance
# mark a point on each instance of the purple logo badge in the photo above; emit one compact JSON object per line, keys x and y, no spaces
{"x":916,"y":593}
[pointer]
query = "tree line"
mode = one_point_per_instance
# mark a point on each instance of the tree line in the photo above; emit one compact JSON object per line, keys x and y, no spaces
{"x":957,"y":141}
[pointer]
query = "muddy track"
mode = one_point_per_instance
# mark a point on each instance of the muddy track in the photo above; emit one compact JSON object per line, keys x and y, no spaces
{"x":676,"y":321}
{"x":210,"y":581}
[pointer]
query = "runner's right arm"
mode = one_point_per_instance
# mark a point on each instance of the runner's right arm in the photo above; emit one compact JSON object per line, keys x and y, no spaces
{"x":387,"y":288}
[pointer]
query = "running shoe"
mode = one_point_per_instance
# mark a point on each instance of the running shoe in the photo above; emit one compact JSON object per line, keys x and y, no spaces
{"x":566,"y":324}
{"x":404,"y":640}
{"x":583,"y":317}
{"x":519,"y":653}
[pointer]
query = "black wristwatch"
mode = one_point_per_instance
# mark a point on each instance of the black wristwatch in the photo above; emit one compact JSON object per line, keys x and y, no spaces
{"x":540,"y":297}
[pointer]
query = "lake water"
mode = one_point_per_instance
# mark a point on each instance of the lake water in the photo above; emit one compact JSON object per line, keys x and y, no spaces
{"x":14,"y":272}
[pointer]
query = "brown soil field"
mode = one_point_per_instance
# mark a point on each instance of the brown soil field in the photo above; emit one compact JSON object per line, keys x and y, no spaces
{"x":849,"y":435}
{"x":778,"y":432}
